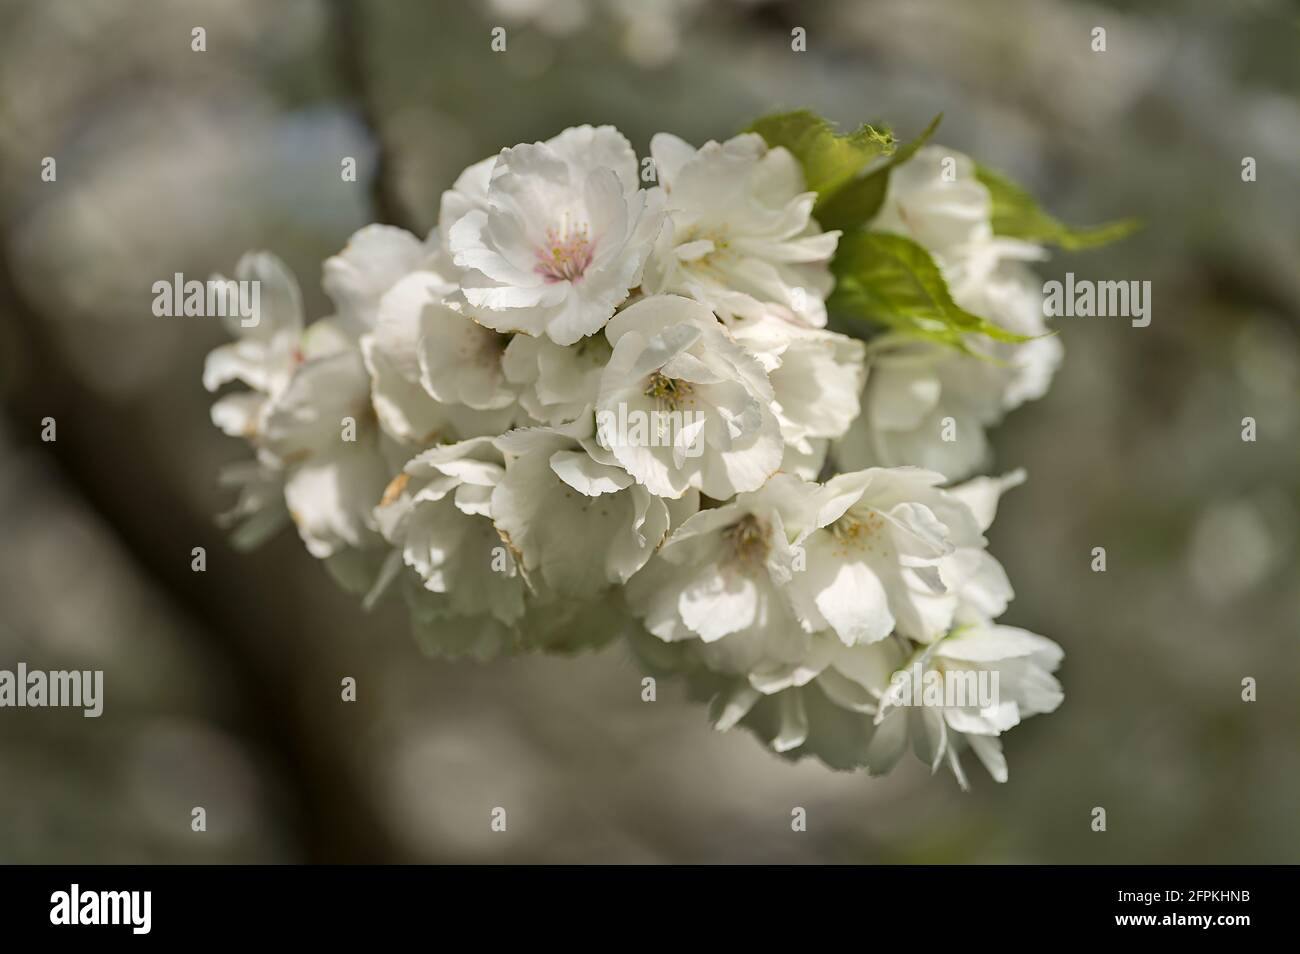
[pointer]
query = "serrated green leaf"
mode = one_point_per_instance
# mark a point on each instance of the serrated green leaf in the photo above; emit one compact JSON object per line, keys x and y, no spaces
{"x":829,"y":160}
{"x":1016,"y":214}
{"x":890,"y":280}
{"x":857,"y":203}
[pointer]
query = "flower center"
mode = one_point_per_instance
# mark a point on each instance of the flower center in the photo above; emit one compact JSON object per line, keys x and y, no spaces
{"x":666,"y":390}
{"x":747,"y":540}
{"x":566,"y":255}
{"x":856,"y":530}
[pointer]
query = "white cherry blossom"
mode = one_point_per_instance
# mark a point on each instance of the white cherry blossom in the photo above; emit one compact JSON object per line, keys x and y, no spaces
{"x":741,"y":237}
{"x":575,"y":517}
{"x":723,"y":576}
{"x":322,"y":432}
{"x":873,"y":563}
{"x":372,"y":262}
{"x":816,"y":376}
{"x":822,"y":706}
{"x":562,"y":239}
{"x":556,"y":383}
{"x":436,"y":375}
{"x":672,"y":356}
{"x":437,"y":513}
{"x":263,"y":355}
{"x":927,"y":404}
{"x":1023,"y":662}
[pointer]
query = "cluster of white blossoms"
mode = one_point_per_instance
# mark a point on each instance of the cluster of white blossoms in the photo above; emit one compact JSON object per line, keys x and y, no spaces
{"x":936,"y":199}
{"x":602,"y":403}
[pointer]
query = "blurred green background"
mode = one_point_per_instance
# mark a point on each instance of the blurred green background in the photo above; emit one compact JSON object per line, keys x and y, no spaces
{"x":222,"y":688}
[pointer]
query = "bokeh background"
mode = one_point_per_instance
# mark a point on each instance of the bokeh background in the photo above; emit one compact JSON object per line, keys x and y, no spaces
{"x":223,"y":687}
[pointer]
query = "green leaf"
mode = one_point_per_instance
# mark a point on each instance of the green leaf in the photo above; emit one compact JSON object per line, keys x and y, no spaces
{"x":829,"y":160}
{"x":857,"y":203}
{"x":1017,"y":214}
{"x":890,"y":280}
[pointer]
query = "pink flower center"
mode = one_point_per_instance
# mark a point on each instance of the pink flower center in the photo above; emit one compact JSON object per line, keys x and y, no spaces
{"x":565,"y":256}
